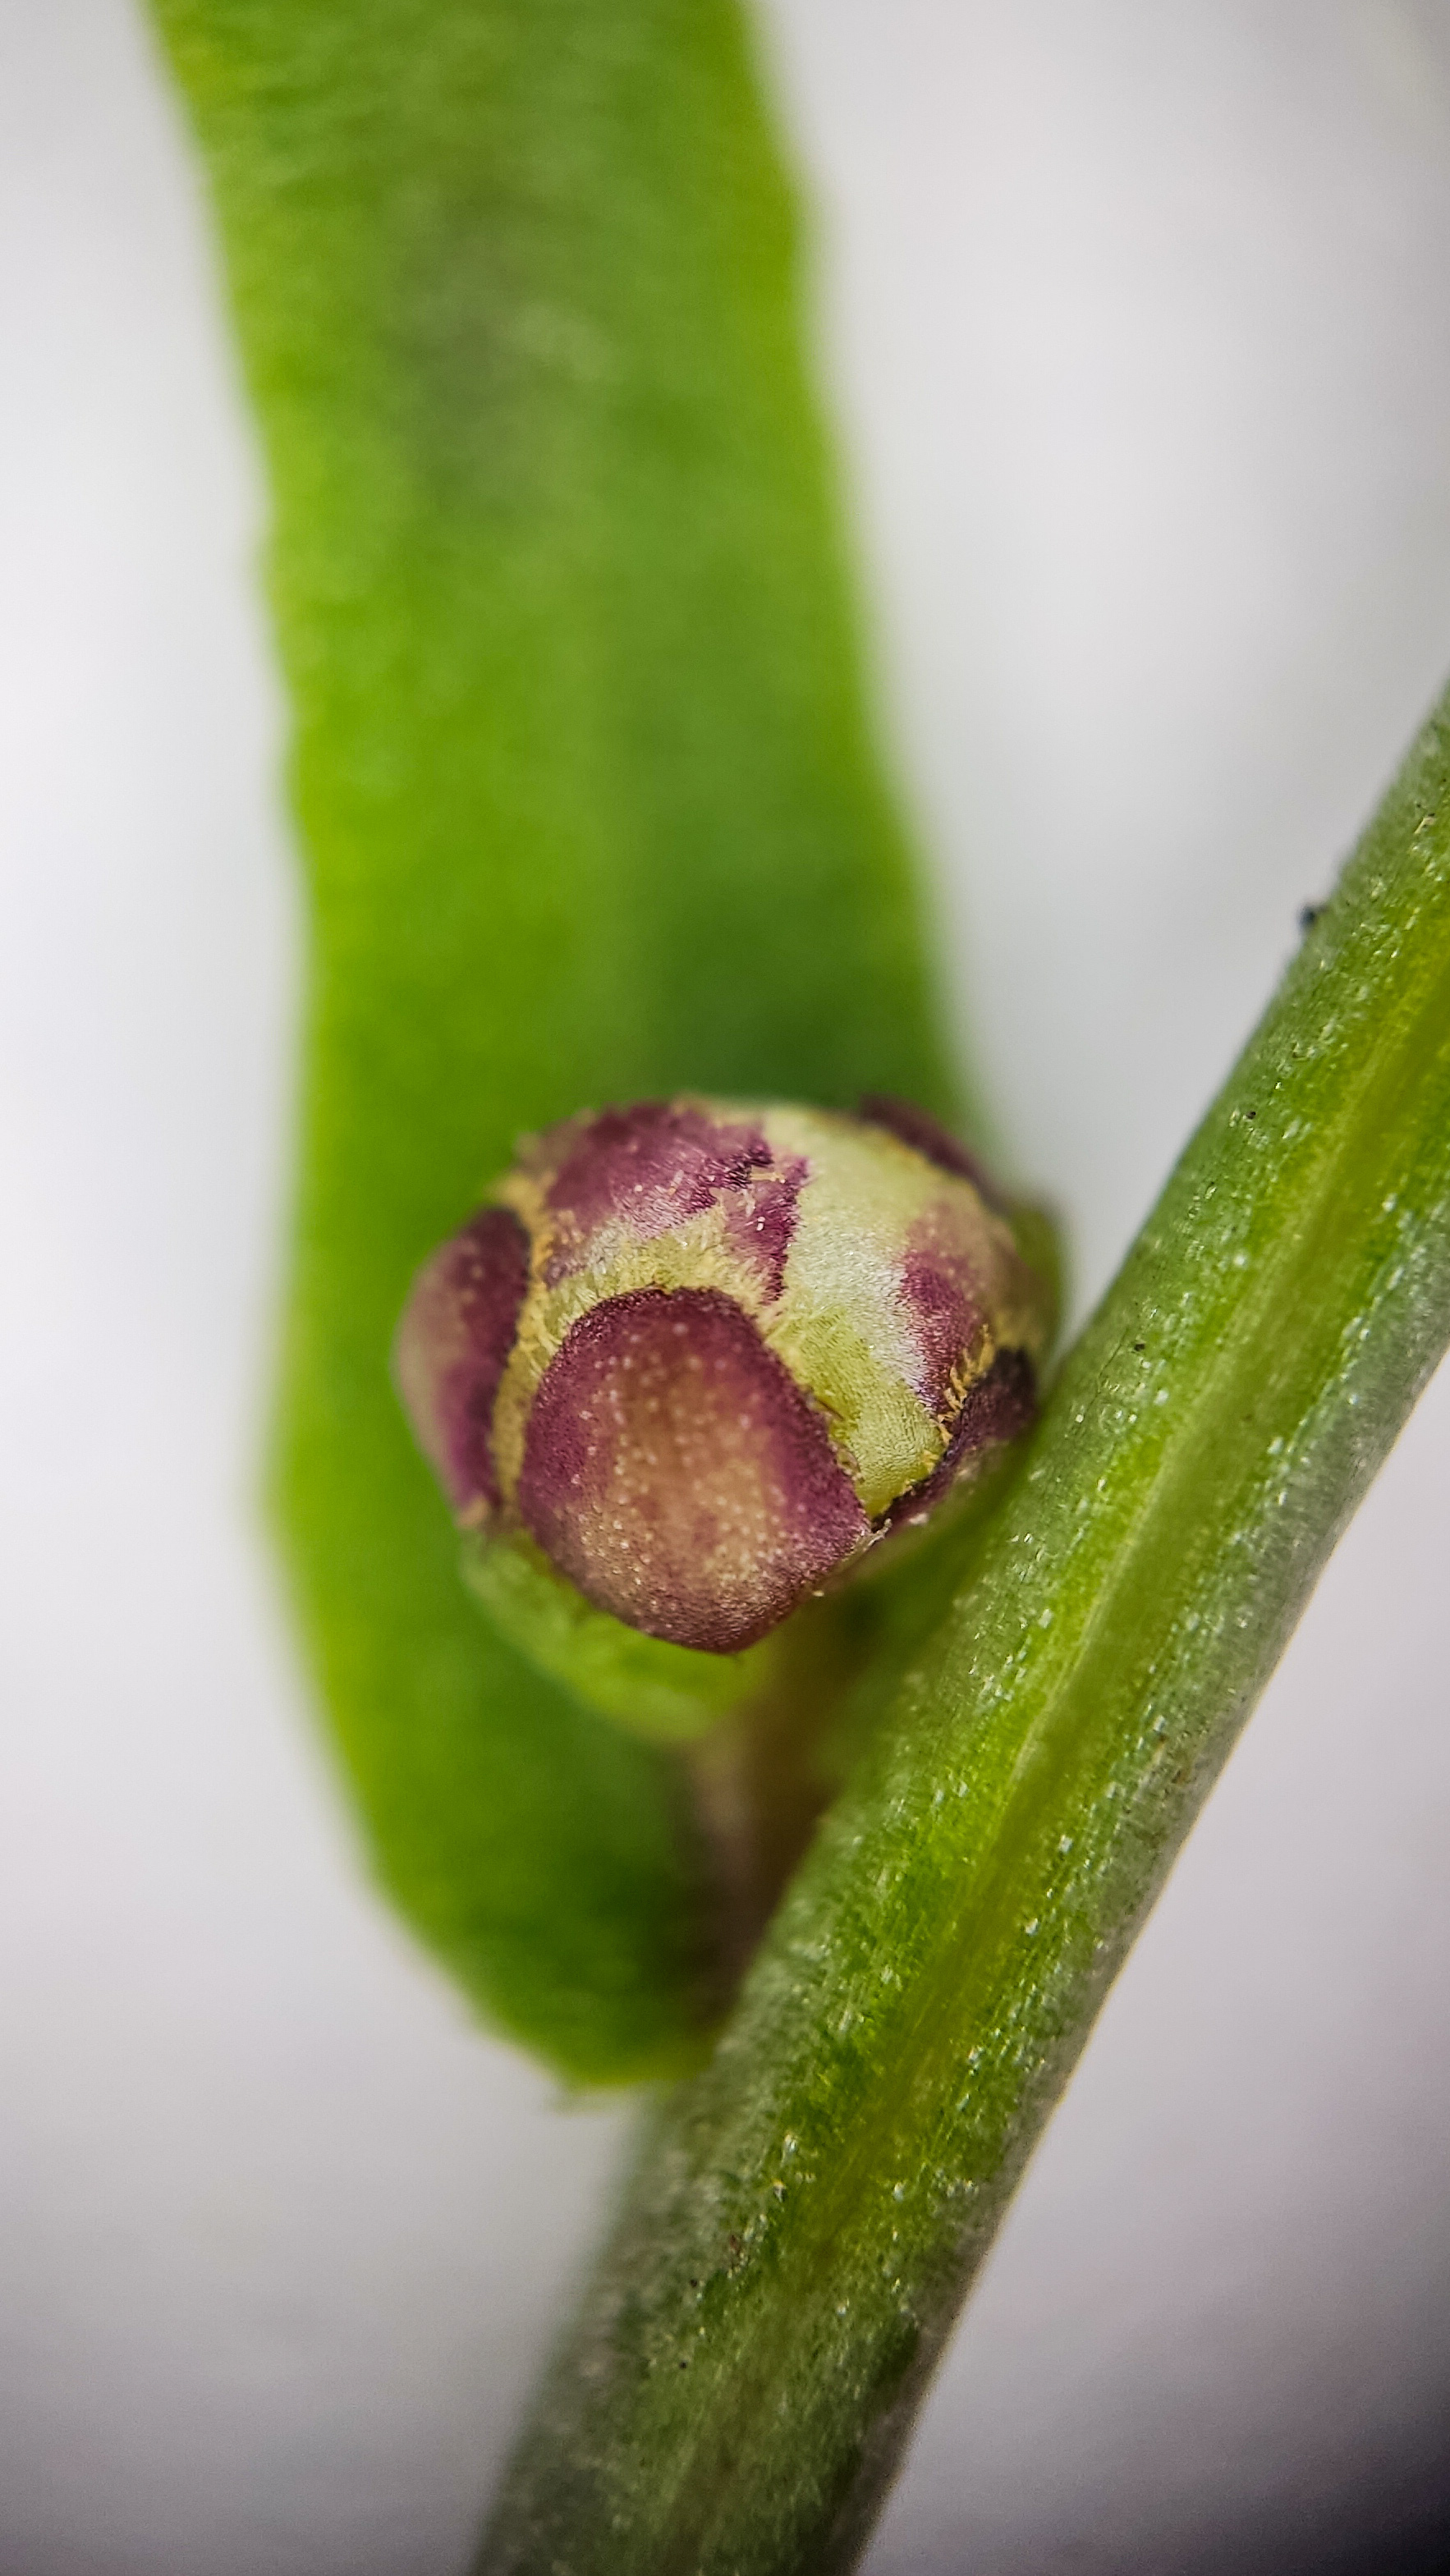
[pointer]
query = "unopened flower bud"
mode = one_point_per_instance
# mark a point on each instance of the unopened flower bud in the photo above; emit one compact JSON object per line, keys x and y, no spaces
{"x":704,"y":1355}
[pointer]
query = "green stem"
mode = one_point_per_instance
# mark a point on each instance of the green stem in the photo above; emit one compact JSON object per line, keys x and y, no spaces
{"x":809,"y":2211}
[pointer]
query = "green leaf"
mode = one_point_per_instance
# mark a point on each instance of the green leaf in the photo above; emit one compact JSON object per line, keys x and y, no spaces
{"x":588,"y":805}
{"x":806,"y":2219}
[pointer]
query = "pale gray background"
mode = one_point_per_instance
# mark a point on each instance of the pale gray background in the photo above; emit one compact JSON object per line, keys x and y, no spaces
{"x":1135,"y":322}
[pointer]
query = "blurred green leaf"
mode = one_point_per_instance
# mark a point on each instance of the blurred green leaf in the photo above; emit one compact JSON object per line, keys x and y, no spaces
{"x":588,"y":804}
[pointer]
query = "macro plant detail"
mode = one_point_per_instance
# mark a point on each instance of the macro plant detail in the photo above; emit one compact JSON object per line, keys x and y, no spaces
{"x":591,"y":811}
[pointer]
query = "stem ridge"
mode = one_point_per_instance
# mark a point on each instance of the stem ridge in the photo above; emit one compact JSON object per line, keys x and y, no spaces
{"x":808,"y":2212}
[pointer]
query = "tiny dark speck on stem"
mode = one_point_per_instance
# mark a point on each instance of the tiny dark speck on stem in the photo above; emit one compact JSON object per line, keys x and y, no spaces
{"x":1308,"y":914}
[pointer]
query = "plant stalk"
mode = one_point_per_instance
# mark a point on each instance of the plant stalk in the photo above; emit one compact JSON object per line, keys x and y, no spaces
{"x":808,"y":2212}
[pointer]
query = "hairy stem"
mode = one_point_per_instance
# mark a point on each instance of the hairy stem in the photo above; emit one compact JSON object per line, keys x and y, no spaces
{"x":758,"y":1783}
{"x":808,"y":2212}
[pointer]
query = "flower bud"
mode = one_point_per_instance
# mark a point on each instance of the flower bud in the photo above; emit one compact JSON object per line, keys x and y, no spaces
{"x":705,"y":1355}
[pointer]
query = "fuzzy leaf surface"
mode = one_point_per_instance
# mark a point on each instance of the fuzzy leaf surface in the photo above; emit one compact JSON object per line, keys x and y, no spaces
{"x":588,"y":806}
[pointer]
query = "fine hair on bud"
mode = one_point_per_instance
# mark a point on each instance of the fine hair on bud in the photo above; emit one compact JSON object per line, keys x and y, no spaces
{"x":705,"y":1354}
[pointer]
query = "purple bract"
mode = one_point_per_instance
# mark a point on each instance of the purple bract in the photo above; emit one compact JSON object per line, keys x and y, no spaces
{"x":453,"y":1345}
{"x":676,"y":1472}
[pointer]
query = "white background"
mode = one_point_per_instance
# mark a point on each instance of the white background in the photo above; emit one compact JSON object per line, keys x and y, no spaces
{"x":1134,"y":318}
